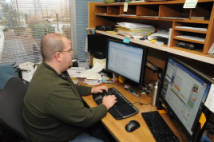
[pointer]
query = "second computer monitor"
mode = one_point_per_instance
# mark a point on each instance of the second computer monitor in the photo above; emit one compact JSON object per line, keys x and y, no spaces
{"x":184,"y":91}
{"x":127,"y":60}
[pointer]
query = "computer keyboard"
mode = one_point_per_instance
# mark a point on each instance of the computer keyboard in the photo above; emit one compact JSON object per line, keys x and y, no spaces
{"x":122,"y":109}
{"x":158,"y":127}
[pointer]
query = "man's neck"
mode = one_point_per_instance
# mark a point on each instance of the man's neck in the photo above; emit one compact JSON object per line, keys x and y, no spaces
{"x":54,"y":66}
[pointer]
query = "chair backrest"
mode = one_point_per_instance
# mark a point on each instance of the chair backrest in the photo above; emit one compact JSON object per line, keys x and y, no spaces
{"x":7,"y":71}
{"x":11,"y":104}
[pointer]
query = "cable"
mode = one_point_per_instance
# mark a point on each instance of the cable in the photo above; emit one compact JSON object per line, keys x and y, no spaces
{"x":140,"y":103}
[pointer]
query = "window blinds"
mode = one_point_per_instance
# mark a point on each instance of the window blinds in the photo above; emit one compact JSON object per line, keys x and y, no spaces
{"x":24,"y":22}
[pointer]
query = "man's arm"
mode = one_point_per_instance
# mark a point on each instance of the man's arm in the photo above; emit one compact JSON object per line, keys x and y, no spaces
{"x":83,"y":90}
{"x":70,"y":109}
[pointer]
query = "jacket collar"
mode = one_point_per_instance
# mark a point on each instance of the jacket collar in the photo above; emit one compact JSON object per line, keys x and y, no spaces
{"x":64,"y":75}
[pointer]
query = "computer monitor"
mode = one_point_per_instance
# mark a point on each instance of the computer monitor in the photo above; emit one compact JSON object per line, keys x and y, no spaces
{"x":97,"y":45}
{"x":184,"y":91}
{"x":127,"y":60}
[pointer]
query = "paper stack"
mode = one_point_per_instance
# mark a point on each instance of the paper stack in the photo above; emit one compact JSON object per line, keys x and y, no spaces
{"x":134,"y":30}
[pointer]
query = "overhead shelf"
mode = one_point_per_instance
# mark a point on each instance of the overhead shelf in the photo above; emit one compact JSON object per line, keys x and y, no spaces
{"x":174,"y":50}
{"x":165,"y":14}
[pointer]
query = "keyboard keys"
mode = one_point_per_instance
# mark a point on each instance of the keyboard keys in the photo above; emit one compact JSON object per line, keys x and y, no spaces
{"x":122,"y":109}
{"x":158,"y":127}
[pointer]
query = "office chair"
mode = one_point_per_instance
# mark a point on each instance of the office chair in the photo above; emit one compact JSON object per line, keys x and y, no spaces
{"x":11,"y":104}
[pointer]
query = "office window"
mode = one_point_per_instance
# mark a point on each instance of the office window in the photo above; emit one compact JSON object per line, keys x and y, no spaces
{"x":79,"y":14}
{"x":24,"y":22}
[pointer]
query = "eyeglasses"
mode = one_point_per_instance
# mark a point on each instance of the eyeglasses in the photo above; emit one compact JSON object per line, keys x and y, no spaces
{"x":70,"y":50}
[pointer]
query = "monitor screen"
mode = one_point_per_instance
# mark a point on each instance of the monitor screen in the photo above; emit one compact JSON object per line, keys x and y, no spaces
{"x":127,"y":60}
{"x":184,"y":90}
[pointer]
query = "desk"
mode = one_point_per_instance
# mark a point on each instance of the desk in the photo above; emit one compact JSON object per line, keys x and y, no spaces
{"x":117,"y":127}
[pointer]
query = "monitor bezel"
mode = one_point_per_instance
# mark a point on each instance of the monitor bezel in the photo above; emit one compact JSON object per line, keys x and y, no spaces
{"x":201,"y":107}
{"x":143,"y":62}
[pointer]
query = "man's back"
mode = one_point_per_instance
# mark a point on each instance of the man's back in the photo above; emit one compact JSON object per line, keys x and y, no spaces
{"x":49,"y":100}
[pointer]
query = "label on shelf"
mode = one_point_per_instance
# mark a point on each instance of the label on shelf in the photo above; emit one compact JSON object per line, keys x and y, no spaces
{"x":126,"y":40}
{"x":190,"y":3}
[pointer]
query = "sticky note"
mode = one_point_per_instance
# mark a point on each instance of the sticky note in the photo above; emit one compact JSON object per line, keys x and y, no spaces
{"x":162,"y":111}
{"x":126,"y":40}
{"x":202,"y":119}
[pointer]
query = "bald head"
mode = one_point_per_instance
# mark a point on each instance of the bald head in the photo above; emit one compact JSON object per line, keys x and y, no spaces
{"x":52,"y":43}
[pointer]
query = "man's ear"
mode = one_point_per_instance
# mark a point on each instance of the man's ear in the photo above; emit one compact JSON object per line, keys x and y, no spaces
{"x":58,"y":57}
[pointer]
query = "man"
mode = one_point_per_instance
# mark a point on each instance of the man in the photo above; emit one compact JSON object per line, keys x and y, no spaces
{"x":53,"y":107}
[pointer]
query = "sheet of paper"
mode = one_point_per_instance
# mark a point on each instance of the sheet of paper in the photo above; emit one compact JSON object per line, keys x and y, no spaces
{"x":28,"y":74}
{"x":191,"y":28}
{"x":125,"y":7}
{"x":27,"y":66}
{"x":130,"y":25}
{"x":211,"y":50}
{"x":210,"y":99}
{"x":92,"y":82}
{"x":191,"y":38}
{"x":94,"y":72}
{"x":75,"y":71}
{"x":190,"y":3}
{"x":161,"y":33}
{"x":97,"y":67}
{"x":91,"y":76}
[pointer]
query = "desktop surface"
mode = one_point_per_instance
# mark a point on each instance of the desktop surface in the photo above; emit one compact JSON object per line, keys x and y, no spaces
{"x":117,"y":127}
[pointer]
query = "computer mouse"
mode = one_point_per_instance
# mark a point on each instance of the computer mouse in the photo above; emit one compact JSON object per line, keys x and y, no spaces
{"x":132,"y":125}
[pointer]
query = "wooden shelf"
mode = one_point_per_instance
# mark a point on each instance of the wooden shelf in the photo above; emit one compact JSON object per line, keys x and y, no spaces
{"x":150,"y":3}
{"x":194,"y":21}
{"x":153,"y":18}
{"x":165,"y":14}
{"x":192,"y":31}
{"x":174,"y":50}
{"x":189,"y":40}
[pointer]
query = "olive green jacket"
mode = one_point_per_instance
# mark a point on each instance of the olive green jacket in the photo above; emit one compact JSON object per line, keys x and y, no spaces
{"x":53,"y":108}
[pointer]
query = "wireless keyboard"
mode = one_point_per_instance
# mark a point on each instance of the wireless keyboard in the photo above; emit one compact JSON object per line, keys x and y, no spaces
{"x":122,"y":109}
{"x":158,"y":127}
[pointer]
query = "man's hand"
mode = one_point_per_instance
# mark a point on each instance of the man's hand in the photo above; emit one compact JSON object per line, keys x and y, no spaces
{"x":109,"y":101}
{"x":99,"y":89}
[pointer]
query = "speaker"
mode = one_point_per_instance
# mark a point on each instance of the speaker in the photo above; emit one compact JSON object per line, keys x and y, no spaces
{"x":97,"y":45}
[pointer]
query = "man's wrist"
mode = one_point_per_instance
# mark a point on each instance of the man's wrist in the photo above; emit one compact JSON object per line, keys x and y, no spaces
{"x":92,"y":90}
{"x":105,"y":106}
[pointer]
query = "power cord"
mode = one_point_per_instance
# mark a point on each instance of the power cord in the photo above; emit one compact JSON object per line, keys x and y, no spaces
{"x":140,"y":103}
